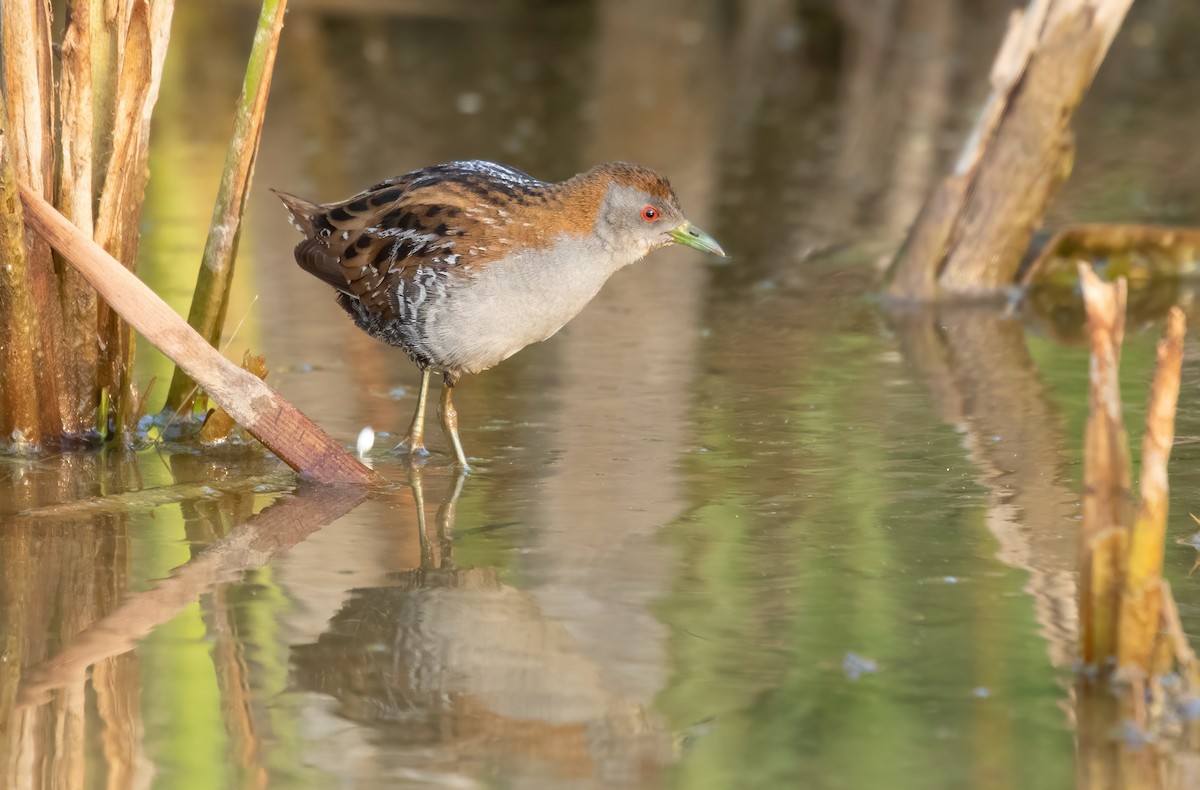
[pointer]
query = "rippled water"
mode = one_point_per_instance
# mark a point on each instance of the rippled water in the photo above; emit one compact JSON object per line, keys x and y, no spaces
{"x":735,"y":526}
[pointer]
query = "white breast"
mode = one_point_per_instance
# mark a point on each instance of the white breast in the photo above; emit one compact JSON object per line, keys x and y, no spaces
{"x":494,"y":313}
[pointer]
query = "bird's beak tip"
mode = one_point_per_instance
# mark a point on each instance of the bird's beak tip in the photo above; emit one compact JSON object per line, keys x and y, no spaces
{"x":689,"y":235}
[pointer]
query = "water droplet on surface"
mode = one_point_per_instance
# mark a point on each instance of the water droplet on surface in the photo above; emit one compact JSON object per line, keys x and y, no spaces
{"x":366,"y":440}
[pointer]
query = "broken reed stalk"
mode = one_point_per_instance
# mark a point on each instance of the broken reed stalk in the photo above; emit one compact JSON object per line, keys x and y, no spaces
{"x":259,"y":409}
{"x":211,"y":297}
{"x":1106,"y":472}
{"x":974,"y":229}
{"x":141,"y":52}
{"x":1141,"y":605}
{"x":1126,"y":610}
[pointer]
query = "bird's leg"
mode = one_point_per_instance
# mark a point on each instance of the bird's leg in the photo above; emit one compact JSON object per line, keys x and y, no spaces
{"x":449,"y":418}
{"x":445,"y":520}
{"x":418,"y":490}
{"x":414,"y":441}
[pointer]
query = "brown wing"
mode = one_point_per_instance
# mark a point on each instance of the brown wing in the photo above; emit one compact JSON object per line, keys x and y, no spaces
{"x":364,"y":245}
{"x":451,"y":219}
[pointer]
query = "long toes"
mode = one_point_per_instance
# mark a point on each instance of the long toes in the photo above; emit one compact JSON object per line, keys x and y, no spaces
{"x":408,"y":448}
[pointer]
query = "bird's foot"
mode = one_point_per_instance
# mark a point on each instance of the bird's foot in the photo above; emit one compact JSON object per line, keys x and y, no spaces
{"x":411,"y":447}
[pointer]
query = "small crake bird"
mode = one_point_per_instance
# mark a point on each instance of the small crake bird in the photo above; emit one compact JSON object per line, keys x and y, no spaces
{"x":464,"y":264}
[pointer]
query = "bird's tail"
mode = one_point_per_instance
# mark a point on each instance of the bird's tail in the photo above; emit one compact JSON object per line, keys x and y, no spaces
{"x":303,"y":214}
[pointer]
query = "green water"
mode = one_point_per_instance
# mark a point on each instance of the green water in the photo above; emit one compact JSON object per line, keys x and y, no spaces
{"x":734,"y":527}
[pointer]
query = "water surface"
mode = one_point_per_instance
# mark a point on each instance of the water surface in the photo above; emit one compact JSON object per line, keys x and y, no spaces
{"x":735,"y":526}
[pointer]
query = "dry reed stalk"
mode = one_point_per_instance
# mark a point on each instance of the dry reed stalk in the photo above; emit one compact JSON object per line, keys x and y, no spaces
{"x":19,"y":417}
{"x":142,"y":48}
{"x":1141,"y":604}
{"x":28,"y":91}
{"x":1127,"y":613}
{"x":211,"y":297}
{"x":80,"y":349}
{"x":259,"y":409}
{"x":107,"y":22}
{"x":1106,"y":476}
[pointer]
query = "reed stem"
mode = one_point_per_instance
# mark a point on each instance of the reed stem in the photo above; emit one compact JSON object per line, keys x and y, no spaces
{"x":211,"y":297}
{"x":20,"y":421}
{"x":142,"y":49}
{"x":81,"y":349}
{"x":29,"y":135}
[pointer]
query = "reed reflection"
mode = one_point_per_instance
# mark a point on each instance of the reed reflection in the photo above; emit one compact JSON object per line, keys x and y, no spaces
{"x":58,"y":575}
{"x":51,"y":737}
{"x":984,"y":383}
{"x":977,"y":366}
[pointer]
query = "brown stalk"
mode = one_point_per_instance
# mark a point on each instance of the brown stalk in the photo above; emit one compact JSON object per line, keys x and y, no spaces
{"x":19,"y":418}
{"x":211,"y":297}
{"x":141,"y":52}
{"x":107,"y":17}
{"x":1106,"y":476}
{"x":28,"y":88}
{"x":1141,"y":604}
{"x":81,"y":351}
{"x":262,"y":411}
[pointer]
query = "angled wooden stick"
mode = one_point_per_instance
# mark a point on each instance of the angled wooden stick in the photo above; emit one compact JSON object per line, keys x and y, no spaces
{"x":259,"y":409}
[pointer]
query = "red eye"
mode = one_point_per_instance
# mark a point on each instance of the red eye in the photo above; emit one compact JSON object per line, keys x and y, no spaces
{"x":649,"y":213}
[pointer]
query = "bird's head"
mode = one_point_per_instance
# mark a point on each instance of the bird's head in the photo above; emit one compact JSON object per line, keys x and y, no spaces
{"x":639,"y":212}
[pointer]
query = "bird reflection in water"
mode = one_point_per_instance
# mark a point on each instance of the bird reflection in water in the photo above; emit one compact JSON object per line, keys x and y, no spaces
{"x":458,"y":671}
